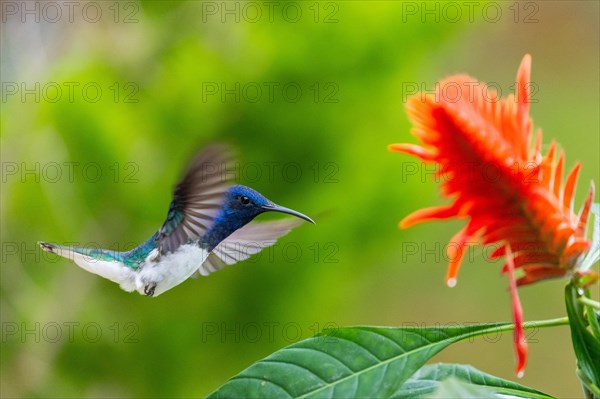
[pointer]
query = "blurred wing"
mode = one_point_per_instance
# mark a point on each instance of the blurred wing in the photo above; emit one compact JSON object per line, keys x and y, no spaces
{"x":196,"y":198}
{"x":245,"y":242}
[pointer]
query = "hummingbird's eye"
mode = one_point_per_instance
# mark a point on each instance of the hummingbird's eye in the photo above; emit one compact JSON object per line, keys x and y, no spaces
{"x":244,"y":200}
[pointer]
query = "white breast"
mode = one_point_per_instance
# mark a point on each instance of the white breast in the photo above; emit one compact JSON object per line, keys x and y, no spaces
{"x":171,"y":270}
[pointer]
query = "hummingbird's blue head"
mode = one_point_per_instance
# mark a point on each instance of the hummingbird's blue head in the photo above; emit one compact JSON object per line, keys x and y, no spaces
{"x":241,"y":205}
{"x":244,"y":204}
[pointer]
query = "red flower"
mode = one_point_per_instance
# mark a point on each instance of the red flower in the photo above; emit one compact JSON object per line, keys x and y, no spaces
{"x":510,"y":193}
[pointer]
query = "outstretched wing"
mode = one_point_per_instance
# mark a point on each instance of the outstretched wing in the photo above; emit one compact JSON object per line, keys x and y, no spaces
{"x":245,"y":242}
{"x":197,"y":198}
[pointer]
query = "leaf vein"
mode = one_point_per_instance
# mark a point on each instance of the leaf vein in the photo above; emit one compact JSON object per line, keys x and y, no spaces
{"x":360,"y":346}
{"x":324,"y":353}
{"x":293,"y":364}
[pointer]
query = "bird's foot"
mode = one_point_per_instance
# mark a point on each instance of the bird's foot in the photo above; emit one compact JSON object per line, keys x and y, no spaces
{"x":149,"y":289}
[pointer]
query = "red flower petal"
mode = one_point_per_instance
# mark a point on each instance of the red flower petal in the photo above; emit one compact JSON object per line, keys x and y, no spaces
{"x":517,"y":310}
{"x":510,"y":194}
{"x":505,"y":187}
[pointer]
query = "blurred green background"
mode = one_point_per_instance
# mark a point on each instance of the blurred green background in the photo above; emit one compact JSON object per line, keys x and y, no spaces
{"x":310,"y":93}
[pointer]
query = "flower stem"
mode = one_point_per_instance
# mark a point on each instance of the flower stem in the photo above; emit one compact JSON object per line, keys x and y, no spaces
{"x":560,"y":321}
{"x":590,"y":302}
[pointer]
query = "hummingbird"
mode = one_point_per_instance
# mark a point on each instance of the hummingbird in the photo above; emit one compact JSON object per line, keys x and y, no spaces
{"x":207,"y":228}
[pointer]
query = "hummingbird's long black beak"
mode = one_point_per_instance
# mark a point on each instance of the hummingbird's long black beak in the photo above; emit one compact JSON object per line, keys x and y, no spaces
{"x":277,"y":208}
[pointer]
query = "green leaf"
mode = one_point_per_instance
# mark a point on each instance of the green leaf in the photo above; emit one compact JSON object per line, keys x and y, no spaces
{"x":593,"y":317}
{"x":431,"y":378}
{"x":351,"y":362}
{"x":586,"y":345}
{"x":457,"y":389}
